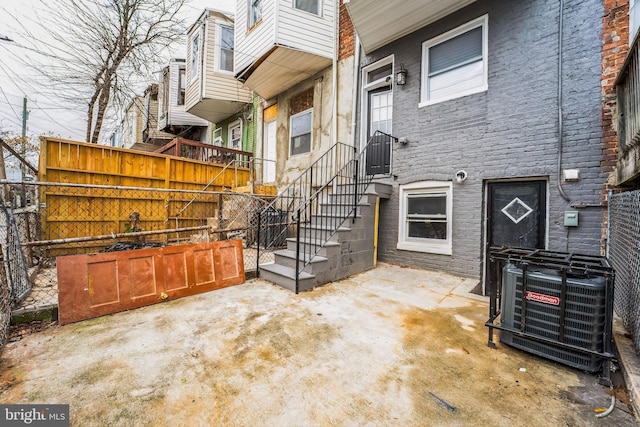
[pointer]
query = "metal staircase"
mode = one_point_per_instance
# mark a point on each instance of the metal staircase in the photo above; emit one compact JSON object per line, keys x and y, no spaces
{"x":321,"y":227}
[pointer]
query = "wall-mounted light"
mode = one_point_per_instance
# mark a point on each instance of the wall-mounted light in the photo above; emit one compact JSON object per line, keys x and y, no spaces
{"x":401,"y":76}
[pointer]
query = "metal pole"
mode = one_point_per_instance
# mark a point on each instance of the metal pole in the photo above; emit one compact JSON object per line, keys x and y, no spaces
{"x":258,"y":245}
{"x":355,"y":192}
{"x":3,"y":174}
{"x":297,"y":253}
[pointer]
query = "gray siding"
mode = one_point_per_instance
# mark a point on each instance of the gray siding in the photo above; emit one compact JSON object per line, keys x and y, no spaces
{"x":508,"y":132}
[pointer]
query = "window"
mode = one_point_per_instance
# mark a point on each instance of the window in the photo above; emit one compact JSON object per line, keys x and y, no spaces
{"x":235,"y":135}
{"x":225,"y":55}
{"x":165,"y":93}
{"x":195,"y":57}
{"x":181,"y":86}
{"x":455,"y":63}
{"x":425,"y":217}
{"x":301,"y":133}
{"x":311,"y":6}
{"x":255,"y":12}
{"x":217,"y":137}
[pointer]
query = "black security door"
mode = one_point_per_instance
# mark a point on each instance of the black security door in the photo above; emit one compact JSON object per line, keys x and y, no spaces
{"x":517,"y":214}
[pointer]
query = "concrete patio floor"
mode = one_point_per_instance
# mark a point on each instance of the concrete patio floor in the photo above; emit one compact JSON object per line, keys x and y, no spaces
{"x":392,"y":346}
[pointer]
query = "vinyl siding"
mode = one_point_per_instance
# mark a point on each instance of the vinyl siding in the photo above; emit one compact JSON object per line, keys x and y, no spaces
{"x":177,"y":114}
{"x":306,"y":31}
{"x":192,"y":93}
{"x":219,"y":85}
{"x":251,"y":45}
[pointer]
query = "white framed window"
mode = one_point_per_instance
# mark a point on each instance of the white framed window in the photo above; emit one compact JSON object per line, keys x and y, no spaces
{"x":182,"y":86}
{"x":234,"y":139}
{"x":255,"y":12}
{"x":454,"y":64}
{"x":311,"y":6}
{"x":425,"y":222}
{"x":300,"y":131}
{"x":195,"y":57}
{"x":225,"y":49}
{"x":166,"y":79}
{"x":217,"y":137}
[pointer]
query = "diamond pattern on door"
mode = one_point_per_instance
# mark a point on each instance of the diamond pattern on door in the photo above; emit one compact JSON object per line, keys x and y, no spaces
{"x":516,"y":210}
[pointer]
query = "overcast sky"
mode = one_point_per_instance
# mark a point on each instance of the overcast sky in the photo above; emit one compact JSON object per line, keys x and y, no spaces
{"x":48,"y":115}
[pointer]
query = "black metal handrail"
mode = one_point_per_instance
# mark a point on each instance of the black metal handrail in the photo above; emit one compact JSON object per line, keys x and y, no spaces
{"x":277,"y":221}
{"x":294,"y":214}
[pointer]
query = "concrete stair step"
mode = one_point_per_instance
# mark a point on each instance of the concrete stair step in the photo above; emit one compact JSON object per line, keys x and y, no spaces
{"x":313,"y":232}
{"x":329,"y":249}
{"x":287,"y":258}
{"x":285,"y":277}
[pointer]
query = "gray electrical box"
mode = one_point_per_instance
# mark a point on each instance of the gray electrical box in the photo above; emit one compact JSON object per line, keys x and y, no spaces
{"x":571,"y":219}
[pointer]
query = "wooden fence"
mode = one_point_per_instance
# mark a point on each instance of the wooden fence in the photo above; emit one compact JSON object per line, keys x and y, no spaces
{"x":118,"y":182}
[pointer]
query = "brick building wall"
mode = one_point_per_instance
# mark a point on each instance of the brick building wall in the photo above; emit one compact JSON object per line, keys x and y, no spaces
{"x":507,"y":132}
{"x":615,"y":45}
{"x":346,"y":34}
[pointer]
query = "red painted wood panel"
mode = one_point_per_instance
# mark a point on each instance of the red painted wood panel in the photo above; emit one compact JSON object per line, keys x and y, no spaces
{"x":97,"y":284}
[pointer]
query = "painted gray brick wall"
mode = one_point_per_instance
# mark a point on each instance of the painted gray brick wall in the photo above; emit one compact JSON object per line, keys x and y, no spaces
{"x":508,"y":132}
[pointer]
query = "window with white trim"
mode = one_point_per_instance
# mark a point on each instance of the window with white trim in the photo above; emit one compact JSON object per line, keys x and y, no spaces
{"x":311,"y":6}
{"x":425,"y":217}
{"x":225,"y":49}
{"x":182,"y":86}
{"x":301,"y":132}
{"x":255,"y":12}
{"x":195,"y":57}
{"x":455,"y":63}
{"x":235,"y":135}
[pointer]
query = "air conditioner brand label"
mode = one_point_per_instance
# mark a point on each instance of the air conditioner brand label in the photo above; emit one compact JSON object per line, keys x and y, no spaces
{"x":546,"y":299}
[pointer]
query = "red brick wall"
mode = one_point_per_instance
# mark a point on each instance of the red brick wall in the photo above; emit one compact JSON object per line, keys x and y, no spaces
{"x":615,"y":44}
{"x":346,"y":34}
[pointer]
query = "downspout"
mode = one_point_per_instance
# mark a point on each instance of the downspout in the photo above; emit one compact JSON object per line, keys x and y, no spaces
{"x":560,"y":124}
{"x":334,"y":72}
{"x":356,"y":91}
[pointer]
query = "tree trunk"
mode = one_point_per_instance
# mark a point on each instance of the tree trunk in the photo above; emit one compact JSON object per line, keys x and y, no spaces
{"x":102,"y":107}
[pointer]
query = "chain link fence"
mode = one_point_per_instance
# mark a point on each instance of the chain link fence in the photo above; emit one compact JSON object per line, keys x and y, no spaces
{"x":14,"y":280}
{"x":624,"y":254}
{"x":56,"y":219}
{"x":77,"y":218}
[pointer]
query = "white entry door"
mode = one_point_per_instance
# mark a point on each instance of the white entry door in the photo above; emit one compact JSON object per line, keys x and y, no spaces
{"x":269,"y":155}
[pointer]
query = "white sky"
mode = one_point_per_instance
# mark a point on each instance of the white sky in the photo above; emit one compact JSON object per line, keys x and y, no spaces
{"x":47,"y":115}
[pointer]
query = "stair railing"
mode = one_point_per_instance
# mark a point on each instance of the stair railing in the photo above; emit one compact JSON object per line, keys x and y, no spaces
{"x":338,"y":194}
{"x":339,"y":197}
{"x":278,"y":220}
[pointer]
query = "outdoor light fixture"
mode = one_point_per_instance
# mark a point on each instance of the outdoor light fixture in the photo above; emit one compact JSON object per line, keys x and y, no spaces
{"x":461,"y":176}
{"x":401,"y":76}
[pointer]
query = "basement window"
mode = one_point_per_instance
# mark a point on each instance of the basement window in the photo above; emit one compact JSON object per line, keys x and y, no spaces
{"x":425,"y":217}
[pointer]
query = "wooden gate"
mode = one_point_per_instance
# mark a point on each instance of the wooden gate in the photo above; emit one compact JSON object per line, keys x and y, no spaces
{"x":99,"y":284}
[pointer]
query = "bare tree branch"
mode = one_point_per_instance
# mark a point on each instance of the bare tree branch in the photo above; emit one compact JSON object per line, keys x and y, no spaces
{"x":97,"y":49}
